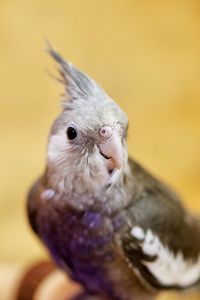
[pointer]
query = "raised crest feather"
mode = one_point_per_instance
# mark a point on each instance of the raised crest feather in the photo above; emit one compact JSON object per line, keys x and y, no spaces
{"x":77,"y":84}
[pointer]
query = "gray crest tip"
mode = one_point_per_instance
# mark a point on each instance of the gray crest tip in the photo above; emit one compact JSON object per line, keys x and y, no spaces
{"x":77,"y":84}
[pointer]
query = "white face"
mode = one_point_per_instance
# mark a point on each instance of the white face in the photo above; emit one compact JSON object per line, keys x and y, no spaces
{"x":84,"y":161}
{"x":87,"y":146}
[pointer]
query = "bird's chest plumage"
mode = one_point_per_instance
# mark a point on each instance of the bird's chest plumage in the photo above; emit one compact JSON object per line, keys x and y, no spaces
{"x":82,"y":241}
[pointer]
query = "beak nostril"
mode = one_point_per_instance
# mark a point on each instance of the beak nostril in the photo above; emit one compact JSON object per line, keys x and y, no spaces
{"x":106,"y":132}
{"x":106,"y":157}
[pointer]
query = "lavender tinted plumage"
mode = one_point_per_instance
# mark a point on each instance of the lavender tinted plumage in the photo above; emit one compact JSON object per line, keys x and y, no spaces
{"x":105,"y":220}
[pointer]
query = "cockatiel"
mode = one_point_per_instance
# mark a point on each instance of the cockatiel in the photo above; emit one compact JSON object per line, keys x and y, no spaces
{"x":106,"y":221}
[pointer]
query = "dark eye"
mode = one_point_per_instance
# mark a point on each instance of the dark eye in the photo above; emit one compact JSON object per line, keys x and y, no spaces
{"x":71,"y":133}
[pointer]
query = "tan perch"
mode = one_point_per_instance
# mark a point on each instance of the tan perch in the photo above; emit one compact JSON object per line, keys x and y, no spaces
{"x":41,"y":281}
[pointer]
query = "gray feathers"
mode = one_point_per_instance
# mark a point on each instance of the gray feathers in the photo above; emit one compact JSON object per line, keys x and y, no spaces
{"x":77,"y":84}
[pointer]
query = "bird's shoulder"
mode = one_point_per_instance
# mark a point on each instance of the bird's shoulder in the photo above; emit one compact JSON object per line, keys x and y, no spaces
{"x":154,"y":201}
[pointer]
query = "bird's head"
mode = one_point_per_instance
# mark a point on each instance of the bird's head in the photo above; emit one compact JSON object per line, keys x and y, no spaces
{"x":87,"y":147}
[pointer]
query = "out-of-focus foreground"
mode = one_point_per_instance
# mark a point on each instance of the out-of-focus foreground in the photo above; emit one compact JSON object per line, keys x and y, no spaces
{"x":146,"y":54}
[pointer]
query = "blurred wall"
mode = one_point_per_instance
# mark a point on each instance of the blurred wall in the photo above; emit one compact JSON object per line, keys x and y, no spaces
{"x":146,"y":54}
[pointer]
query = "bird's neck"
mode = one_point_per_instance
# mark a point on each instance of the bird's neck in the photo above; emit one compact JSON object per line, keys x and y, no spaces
{"x":110,"y":197}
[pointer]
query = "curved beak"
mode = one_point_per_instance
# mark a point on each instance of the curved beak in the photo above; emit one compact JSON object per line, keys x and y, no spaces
{"x":112,"y":150}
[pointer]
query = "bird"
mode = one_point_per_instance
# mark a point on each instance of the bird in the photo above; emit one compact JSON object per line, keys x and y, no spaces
{"x":107,"y":222}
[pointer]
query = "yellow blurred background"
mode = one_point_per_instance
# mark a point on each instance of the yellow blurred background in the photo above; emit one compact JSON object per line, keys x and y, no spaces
{"x":146,"y":54}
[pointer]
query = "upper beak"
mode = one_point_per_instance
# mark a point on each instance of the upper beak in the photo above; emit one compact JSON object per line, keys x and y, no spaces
{"x":112,"y":150}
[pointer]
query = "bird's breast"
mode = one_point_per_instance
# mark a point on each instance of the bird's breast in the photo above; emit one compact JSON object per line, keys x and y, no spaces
{"x":82,"y":241}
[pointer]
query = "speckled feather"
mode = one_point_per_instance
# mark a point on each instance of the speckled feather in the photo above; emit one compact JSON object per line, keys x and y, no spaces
{"x":115,"y":232}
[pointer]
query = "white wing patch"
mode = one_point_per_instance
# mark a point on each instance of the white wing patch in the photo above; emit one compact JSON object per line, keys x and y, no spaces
{"x":138,"y":233}
{"x":169,"y":269}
